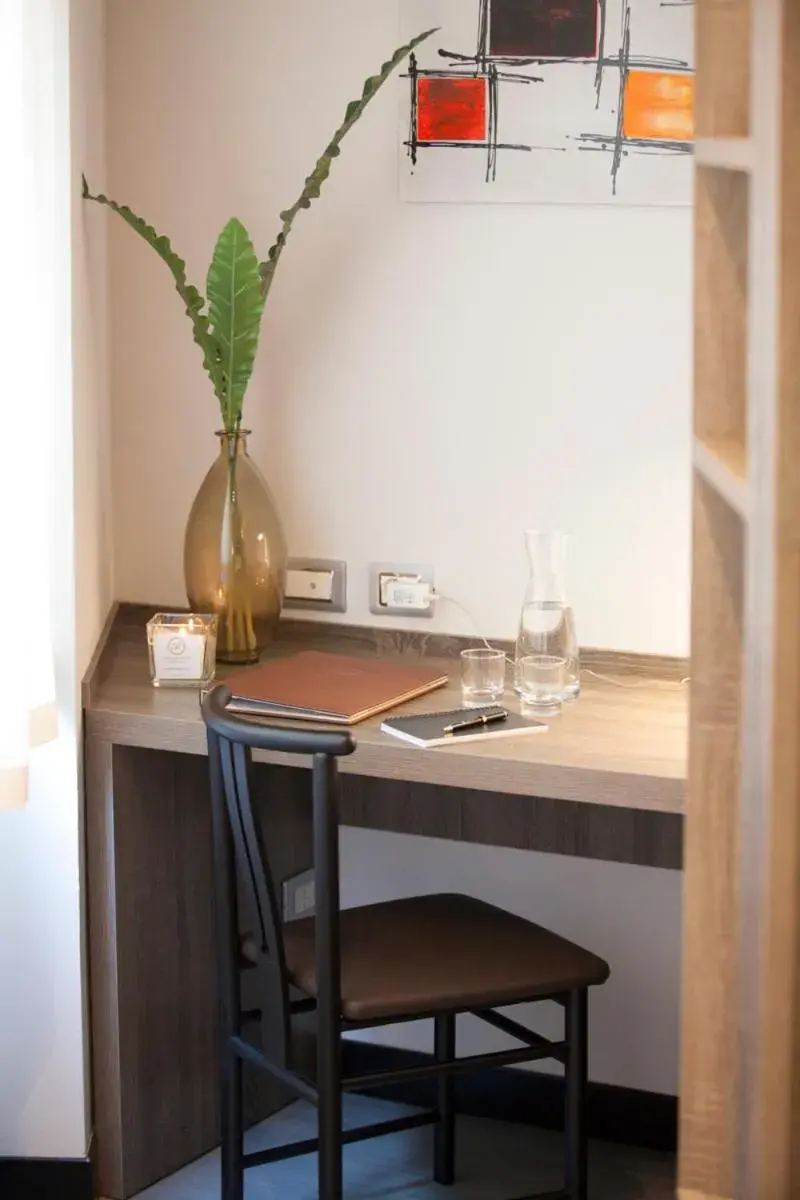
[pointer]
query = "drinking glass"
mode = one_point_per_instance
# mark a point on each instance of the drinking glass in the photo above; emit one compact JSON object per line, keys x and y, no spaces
{"x":483,"y":677}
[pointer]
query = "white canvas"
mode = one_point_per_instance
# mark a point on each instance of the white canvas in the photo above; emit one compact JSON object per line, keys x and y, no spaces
{"x":565,"y":113}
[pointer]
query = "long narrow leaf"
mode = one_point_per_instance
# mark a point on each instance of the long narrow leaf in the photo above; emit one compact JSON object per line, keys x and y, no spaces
{"x":194,"y":301}
{"x":235,"y":306}
{"x":315,"y":180}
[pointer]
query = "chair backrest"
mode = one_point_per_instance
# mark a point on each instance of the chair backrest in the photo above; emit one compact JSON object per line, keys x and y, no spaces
{"x":238,"y":843}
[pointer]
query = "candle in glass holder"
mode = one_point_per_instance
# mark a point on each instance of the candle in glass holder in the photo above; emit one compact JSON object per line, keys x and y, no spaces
{"x":182,"y":649}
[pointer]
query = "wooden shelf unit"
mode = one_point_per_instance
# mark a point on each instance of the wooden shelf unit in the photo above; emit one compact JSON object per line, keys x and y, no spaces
{"x":740,"y":1106}
{"x":723,"y":466}
{"x":728,"y":154}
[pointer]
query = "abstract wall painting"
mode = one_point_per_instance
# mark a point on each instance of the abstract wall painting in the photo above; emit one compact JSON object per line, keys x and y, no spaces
{"x":550,"y":101}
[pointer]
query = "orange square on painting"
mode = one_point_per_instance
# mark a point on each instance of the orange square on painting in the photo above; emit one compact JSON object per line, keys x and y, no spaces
{"x":451,"y":110}
{"x":659,"y":106}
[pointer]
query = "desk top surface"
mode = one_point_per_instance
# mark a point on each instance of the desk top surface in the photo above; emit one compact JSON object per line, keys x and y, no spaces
{"x":623,"y":743}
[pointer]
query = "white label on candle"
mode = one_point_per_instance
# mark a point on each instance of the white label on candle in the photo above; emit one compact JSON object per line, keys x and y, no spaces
{"x":179,"y":655}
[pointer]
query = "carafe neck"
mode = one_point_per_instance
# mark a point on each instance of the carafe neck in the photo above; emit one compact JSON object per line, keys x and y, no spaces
{"x":547,"y":554}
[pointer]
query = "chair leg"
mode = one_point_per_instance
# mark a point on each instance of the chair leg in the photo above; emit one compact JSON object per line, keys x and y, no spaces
{"x":329,"y":987}
{"x":329,"y":1111}
{"x":232,"y":1127}
{"x":577,"y":1038}
{"x":444,"y":1145}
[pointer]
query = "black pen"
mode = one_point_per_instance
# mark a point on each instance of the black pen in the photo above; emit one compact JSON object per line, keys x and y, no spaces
{"x":473,"y":722}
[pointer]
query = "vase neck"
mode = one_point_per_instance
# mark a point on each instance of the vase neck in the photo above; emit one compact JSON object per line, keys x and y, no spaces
{"x":232,"y":445}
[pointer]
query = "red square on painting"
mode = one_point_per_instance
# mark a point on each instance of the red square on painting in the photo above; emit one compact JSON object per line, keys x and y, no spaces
{"x":451,"y":110}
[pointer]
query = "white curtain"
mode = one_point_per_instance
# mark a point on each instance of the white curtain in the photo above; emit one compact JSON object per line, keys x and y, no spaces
{"x":28,"y":390}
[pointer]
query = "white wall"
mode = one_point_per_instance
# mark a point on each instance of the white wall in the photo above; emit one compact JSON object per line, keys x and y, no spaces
{"x":43,"y":1048}
{"x":91,"y":406}
{"x":93,"y":568}
{"x":433,"y":380}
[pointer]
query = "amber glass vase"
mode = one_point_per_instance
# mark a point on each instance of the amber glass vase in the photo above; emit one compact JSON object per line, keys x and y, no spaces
{"x":234,"y":554}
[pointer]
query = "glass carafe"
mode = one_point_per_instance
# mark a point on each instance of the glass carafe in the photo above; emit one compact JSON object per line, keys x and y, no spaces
{"x":547,"y":624}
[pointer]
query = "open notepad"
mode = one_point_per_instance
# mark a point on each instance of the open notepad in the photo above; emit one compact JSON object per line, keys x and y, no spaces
{"x":428,"y":729}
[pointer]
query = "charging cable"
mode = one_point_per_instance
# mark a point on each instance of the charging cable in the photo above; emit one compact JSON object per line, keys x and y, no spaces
{"x":633,"y":686}
{"x":457,"y":604}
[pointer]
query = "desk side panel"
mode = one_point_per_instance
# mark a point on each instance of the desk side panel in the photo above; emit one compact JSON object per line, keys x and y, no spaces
{"x":154,"y":986}
{"x":103,"y":977}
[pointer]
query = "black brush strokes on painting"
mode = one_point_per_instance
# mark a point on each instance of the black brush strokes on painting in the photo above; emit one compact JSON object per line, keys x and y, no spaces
{"x":624,"y":71}
{"x":491,"y":145}
{"x":550,"y":28}
{"x":483,"y":30}
{"x":601,"y":50}
{"x":519,"y":33}
{"x":642,"y":62}
{"x":412,"y":143}
{"x":491,"y":127}
{"x":619,"y":145}
{"x":664,"y":147}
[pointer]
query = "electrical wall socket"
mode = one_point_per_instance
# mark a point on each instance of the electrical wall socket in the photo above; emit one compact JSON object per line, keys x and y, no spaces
{"x":299,"y":896}
{"x":394,"y":590}
{"x":316,"y":583}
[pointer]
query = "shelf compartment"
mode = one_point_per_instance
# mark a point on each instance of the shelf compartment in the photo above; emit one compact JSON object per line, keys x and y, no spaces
{"x":721,"y":314}
{"x":722,"y":104}
{"x":728,"y":154}
{"x":723,"y":465}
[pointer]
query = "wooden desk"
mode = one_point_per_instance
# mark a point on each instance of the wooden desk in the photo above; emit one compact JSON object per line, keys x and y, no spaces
{"x":606,"y":781}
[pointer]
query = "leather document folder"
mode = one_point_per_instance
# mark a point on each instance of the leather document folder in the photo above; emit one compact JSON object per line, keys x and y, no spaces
{"x":334,"y":688}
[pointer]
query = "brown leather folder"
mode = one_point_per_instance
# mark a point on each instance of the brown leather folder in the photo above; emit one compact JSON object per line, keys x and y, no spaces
{"x":334,"y":688}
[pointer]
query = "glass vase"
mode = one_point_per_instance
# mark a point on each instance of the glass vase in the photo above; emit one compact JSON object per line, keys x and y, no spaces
{"x":547,"y":624}
{"x":234,"y":553}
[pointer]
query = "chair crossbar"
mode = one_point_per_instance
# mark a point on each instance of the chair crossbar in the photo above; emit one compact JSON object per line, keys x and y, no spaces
{"x":512,"y":1028}
{"x":562,"y":1195}
{"x":456,"y":1066}
{"x":294,"y":1082}
{"x":362,"y":1134}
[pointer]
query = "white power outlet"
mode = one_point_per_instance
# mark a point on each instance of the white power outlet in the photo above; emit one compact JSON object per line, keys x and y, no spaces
{"x":406,"y":593}
{"x":299,"y":895}
{"x":305,"y":898}
{"x":401,"y":589}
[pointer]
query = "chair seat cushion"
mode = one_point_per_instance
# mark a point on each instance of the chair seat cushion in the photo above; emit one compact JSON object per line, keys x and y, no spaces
{"x":441,"y":953}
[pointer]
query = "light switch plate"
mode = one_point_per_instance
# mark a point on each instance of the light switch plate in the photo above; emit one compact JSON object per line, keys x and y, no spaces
{"x":316,"y":584}
{"x":309,"y":585}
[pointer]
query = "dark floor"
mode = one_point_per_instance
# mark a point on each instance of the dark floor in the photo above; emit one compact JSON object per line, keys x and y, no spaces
{"x":495,"y":1161}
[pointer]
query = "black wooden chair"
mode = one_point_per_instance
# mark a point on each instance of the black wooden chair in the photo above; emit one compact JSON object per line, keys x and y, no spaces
{"x":430,"y":956}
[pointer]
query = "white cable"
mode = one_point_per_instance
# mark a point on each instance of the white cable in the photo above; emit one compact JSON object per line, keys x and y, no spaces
{"x":457,"y":603}
{"x":641,"y":683}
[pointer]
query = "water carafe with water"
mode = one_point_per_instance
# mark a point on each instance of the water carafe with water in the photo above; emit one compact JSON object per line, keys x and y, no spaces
{"x":547,"y":626}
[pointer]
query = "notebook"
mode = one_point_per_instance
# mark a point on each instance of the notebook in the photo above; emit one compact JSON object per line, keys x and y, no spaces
{"x":427,"y":729}
{"x":334,"y":688}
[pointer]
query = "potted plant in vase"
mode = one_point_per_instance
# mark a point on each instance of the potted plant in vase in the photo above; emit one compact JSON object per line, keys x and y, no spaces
{"x":234,"y":548}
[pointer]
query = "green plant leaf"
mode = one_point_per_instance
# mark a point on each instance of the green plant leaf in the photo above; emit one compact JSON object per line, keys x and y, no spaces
{"x":316,"y":179}
{"x":235,"y":304}
{"x":194,"y":301}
